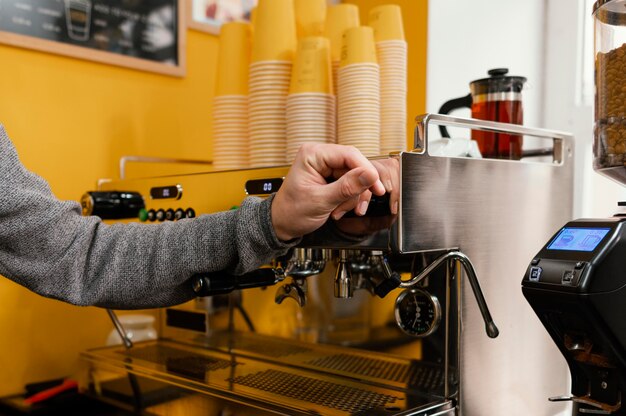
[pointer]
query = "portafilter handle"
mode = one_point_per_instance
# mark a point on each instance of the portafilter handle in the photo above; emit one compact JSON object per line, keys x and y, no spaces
{"x":219,"y":283}
{"x":490,"y":326}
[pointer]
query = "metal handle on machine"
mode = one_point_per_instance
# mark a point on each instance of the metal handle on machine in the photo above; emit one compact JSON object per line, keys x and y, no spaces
{"x":490,"y":326}
{"x":218,"y":283}
{"x":120,"y":329}
{"x":124,"y":160}
{"x":423,"y":121}
{"x":600,"y":408}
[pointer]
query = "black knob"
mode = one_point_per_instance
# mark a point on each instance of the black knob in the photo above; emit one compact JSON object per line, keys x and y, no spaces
{"x":498,"y":72}
{"x":160,"y":215}
{"x":111,"y":205}
{"x":151,"y":215}
{"x":179,"y":214}
{"x":169,"y":214}
{"x":190,"y":213}
{"x":387,"y":285}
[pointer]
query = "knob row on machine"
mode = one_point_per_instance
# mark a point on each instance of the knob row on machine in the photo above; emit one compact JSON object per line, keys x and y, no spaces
{"x":166,"y":214}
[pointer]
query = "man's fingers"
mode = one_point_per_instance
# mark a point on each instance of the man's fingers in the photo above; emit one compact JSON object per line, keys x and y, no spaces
{"x":359,"y":204}
{"x":353,"y":184}
{"x":342,"y":209}
{"x":389,"y":172}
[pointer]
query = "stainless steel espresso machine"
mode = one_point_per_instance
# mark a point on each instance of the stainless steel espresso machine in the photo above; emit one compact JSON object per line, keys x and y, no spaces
{"x":378,"y":315}
{"x":576,"y":284}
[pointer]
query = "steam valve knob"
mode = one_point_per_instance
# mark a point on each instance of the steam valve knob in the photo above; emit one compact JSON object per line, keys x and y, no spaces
{"x":383,"y":288}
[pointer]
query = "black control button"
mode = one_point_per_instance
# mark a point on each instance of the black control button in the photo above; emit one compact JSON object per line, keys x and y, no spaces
{"x":568,"y":277}
{"x":580,"y":265}
{"x":151,"y":215}
{"x":190,"y":213}
{"x":160,"y":215}
{"x":535,"y":274}
{"x":535,"y":262}
{"x":179,"y":214}
{"x":169,"y":214}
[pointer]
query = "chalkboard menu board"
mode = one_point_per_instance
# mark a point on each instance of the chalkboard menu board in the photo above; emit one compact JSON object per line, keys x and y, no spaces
{"x":142,"y":34}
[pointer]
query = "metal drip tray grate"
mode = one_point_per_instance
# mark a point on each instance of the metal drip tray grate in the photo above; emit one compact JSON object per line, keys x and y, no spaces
{"x":429,"y":378}
{"x":178,"y":361}
{"x":274,"y":350}
{"x":370,"y":367}
{"x":311,"y":390}
{"x":420,"y":375}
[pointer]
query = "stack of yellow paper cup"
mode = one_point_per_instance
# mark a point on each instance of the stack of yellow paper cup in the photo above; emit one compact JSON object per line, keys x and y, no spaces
{"x":339,"y":18}
{"x":273,"y":47}
{"x":310,"y":104}
{"x":358,"y":118}
{"x":310,"y":17}
{"x":391,"y":49}
{"x":230,"y":107}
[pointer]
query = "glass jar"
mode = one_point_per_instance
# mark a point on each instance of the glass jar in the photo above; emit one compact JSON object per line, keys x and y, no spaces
{"x":609,"y":147}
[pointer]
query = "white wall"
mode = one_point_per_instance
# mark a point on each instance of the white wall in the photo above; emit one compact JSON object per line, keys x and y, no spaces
{"x":542,"y":40}
{"x":467,"y":38}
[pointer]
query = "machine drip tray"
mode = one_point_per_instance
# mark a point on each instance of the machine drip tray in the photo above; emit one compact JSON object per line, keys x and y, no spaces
{"x":367,"y":366}
{"x":331,"y":380}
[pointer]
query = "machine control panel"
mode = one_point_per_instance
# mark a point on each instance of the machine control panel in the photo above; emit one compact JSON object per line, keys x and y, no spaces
{"x":569,"y":255}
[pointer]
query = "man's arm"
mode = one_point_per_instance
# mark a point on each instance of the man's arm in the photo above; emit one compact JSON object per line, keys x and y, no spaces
{"x":47,"y":246}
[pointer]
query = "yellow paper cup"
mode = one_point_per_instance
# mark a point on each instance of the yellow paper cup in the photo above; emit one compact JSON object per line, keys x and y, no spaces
{"x":358,"y":46}
{"x":310,"y":17}
{"x":339,"y":18}
{"x":233,"y":60}
{"x":387,"y":22}
{"x":274,"y":31}
{"x":312,"y":69}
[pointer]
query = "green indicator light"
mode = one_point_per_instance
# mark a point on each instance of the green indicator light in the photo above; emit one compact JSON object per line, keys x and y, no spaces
{"x":234,"y":207}
{"x":143,"y":215}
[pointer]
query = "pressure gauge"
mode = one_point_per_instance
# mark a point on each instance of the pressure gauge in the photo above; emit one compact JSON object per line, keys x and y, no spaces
{"x":418,"y":313}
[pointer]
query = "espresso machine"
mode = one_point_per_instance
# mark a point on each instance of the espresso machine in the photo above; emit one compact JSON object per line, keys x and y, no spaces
{"x":415,"y":314}
{"x":576,"y":284}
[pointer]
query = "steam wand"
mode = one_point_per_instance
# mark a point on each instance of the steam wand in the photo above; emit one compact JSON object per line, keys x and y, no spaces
{"x":490,"y":326}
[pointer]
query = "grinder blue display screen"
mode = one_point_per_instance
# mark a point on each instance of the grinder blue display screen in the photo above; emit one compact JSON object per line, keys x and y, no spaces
{"x":578,"y":239}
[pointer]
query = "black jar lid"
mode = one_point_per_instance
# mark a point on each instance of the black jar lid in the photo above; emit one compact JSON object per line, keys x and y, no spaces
{"x":611,"y":12}
{"x":498,"y":81}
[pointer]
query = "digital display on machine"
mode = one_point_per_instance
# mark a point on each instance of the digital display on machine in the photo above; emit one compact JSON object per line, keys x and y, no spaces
{"x":578,"y":239}
{"x":263,"y":186}
{"x":166,"y":192}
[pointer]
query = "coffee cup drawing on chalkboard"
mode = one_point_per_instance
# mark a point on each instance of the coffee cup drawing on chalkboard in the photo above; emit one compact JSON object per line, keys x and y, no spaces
{"x":78,"y":17}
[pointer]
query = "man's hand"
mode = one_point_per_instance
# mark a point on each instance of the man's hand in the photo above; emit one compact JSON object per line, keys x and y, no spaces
{"x":306,"y":200}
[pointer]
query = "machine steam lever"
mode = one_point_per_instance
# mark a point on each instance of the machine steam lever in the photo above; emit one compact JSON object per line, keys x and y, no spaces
{"x":490,"y":326}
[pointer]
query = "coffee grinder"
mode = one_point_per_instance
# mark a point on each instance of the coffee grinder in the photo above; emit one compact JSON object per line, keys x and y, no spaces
{"x":576,"y":284}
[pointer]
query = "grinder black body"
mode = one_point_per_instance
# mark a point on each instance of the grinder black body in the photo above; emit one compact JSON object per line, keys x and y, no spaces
{"x":577,"y":287}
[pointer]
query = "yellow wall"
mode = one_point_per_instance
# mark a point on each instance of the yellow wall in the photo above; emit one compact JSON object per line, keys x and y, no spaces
{"x":71,"y":121}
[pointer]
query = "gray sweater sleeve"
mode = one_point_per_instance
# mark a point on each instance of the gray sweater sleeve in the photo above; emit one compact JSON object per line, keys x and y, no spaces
{"x":48,"y":247}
